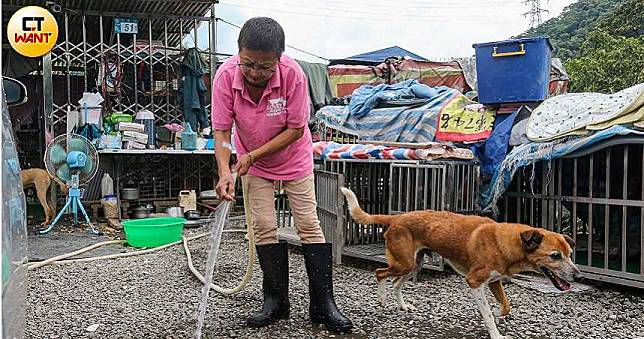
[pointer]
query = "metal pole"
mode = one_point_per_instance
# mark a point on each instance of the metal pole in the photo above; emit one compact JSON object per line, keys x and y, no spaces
{"x":68,"y":59}
{"x":136,"y":80}
{"x":213,"y":17}
{"x":48,"y":97}
{"x":100,"y":60}
{"x":181,"y":36}
{"x":151,"y":65}
{"x":84,"y":52}
{"x":213,"y":42}
{"x":574,"y":207}
{"x":642,"y":220}
{"x":624,"y":208}
{"x":607,"y":159}
{"x":591,"y":169}
{"x":118,"y":55}
{"x":196,"y":38}
{"x":168,"y":84}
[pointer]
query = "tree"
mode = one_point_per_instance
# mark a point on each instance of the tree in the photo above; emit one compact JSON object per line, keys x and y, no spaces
{"x":568,"y":31}
{"x":626,"y":20}
{"x":607,"y":63}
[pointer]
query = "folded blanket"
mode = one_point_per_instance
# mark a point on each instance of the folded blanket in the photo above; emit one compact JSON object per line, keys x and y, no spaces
{"x":561,"y":115}
{"x":367,"y":97}
{"x":400,"y":124}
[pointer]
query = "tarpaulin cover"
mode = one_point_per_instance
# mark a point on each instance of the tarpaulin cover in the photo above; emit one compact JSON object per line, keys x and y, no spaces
{"x":493,"y":150}
{"x":377,"y":56}
{"x":346,"y":78}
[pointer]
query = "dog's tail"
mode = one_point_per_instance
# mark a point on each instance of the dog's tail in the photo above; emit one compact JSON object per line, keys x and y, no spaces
{"x":63,"y":187}
{"x":359,"y":214}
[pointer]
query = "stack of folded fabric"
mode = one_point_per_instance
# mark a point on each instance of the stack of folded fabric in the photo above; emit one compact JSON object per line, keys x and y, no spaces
{"x":134,"y":140}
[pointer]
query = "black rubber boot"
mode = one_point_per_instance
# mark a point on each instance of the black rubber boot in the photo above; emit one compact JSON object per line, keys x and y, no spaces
{"x":322,"y":308}
{"x":273,"y":259}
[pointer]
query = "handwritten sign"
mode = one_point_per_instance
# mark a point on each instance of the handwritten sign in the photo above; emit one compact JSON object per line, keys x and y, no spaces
{"x":464,"y":120}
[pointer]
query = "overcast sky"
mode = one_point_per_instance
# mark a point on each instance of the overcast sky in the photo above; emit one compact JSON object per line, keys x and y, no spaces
{"x":341,"y":28}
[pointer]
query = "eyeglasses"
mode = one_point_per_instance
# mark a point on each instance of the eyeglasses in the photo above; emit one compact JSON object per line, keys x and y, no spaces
{"x":258,"y":67}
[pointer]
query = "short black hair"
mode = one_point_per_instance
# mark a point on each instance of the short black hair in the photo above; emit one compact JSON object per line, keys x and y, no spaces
{"x":262,"y":34}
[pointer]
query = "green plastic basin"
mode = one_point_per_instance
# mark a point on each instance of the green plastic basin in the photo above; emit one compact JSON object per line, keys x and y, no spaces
{"x":153,"y":232}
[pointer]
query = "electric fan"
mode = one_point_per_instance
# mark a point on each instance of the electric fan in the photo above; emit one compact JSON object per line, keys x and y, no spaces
{"x":72,"y":160}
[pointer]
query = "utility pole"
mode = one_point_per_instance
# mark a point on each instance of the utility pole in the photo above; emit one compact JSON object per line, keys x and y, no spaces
{"x":534,"y":12}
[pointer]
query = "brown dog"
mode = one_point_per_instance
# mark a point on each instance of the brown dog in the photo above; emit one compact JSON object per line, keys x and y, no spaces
{"x":42,"y":181}
{"x":478,"y":248}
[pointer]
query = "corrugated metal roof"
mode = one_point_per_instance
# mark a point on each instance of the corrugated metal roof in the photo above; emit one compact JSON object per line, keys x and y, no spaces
{"x":135,"y":7}
{"x":178,"y":15}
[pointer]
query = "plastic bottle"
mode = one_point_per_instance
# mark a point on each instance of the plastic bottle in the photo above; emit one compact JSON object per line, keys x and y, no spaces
{"x":188,"y":139}
{"x":107,"y":185}
{"x":146,"y":118}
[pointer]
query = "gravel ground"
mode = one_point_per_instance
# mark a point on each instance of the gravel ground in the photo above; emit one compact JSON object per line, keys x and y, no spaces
{"x":156,"y":296}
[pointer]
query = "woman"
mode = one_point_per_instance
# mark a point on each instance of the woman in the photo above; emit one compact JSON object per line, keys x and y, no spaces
{"x":265,"y":94}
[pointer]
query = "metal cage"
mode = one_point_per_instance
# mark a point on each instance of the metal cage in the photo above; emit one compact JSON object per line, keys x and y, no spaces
{"x":597,"y":197}
{"x":329,"y":134}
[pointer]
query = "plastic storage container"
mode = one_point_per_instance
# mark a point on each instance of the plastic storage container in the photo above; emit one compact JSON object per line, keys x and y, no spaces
{"x":513,"y":70}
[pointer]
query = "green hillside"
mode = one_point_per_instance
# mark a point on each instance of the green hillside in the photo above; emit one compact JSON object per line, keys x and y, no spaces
{"x":601,"y":43}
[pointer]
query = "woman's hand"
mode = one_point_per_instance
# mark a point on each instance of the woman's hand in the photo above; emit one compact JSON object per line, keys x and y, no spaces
{"x":244,"y":163}
{"x":225,"y":186}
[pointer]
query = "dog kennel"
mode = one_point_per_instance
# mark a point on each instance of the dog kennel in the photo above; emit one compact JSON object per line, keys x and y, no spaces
{"x":596,"y":196}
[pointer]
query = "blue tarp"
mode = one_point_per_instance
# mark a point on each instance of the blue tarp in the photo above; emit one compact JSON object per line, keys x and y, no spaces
{"x":376,"y":57}
{"x":492,"y":151}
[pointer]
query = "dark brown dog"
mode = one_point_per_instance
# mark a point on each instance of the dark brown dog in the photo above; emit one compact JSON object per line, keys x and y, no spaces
{"x":478,"y":248}
{"x":42,"y":181}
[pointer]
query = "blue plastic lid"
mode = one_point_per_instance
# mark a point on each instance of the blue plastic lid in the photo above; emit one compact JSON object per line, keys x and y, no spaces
{"x":513,"y":41}
{"x":110,"y":197}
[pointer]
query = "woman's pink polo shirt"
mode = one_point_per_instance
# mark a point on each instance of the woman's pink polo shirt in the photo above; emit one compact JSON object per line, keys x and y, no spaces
{"x":284,"y":104}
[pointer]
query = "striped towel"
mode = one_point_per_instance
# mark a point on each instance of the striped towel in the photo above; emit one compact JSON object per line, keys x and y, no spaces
{"x":331,"y":150}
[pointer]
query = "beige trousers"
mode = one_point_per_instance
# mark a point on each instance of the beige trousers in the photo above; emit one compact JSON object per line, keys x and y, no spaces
{"x":301,"y":197}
